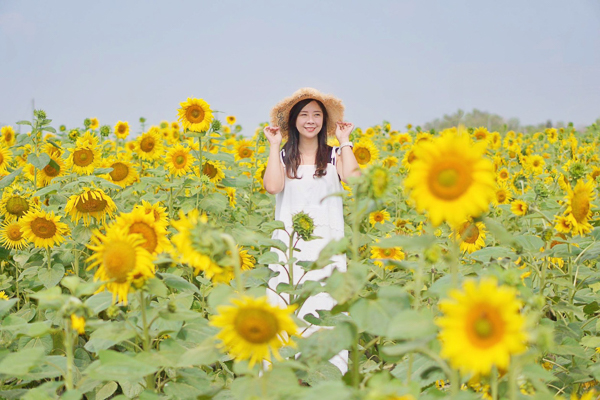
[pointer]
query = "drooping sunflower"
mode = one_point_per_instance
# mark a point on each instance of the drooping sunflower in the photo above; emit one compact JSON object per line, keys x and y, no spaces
{"x":83,"y":160}
{"x":11,"y":236}
{"x":365,"y":152}
{"x":180,"y":160}
{"x":451,"y":179}
{"x":154,"y":234}
{"x":121,"y":260}
{"x":247,"y":261}
{"x":579,"y":206}
{"x":379,"y":216}
{"x":470,"y":235}
{"x":50,"y":171}
{"x":519,"y":207}
{"x":481,"y":326}
{"x":149,"y":145}
{"x":252,"y":329}
{"x":195,"y":115}
{"x":123,"y":173}
{"x":213,"y":170}
{"x":15,"y":203}
{"x":7,"y":136}
{"x":5,"y":158}
{"x":122,"y":130}
{"x":260,"y":174}
{"x":230,"y":192}
{"x":243,"y":149}
{"x":90,"y":203}
{"x":43,"y":229}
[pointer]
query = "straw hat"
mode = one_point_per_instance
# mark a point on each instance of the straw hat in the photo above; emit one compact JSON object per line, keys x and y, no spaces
{"x":280,"y":114}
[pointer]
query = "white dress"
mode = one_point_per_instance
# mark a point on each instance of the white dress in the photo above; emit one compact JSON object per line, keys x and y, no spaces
{"x":307,"y":194}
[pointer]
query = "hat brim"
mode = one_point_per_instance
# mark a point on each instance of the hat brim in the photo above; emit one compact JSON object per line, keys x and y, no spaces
{"x":280,"y":114}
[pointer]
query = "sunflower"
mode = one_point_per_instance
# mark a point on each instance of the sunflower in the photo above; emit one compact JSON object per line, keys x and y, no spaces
{"x":243,"y":150}
{"x":365,"y":152}
{"x":49,"y":172}
{"x":260,"y":173}
{"x":409,"y":157}
{"x":519,"y":207}
{"x":563,"y":224}
{"x":213,"y":170}
{"x":15,"y":203}
{"x":503,"y":175}
{"x":91,"y":203}
{"x":230,"y":192}
{"x":379,"y":216}
{"x":121,"y":260}
{"x":247,"y":261}
{"x":579,"y":206}
{"x":391,"y":253}
{"x":78,"y":324}
{"x":180,"y":160}
{"x":154,"y":234}
{"x":230,"y":119}
{"x":7,"y":136}
{"x":149,"y":145}
{"x":390,"y":161}
{"x":536,"y":164}
{"x":5,"y":158}
{"x":252,"y":329}
{"x":159,"y":212}
{"x":503,"y":194}
{"x":11,"y":235}
{"x":123,"y":173}
{"x":195,"y":115}
{"x":83,"y":160}
{"x":450,"y":179}
{"x":43,"y":229}
{"x":94,"y":123}
{"x":3,"y":295}
{"x":481,"y":133}
{"x":470,"y":235}
{"x":122,"y":130}
{"x":481,"y":326}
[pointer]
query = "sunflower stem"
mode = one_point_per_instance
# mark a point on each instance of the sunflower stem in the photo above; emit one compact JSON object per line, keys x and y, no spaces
{"x":69,"y":351}
{"x":494,"y":382}
{"x":291,"y":265}
{"x":355,"y":362}
{"x":146,"y":337}
{"x":237,"y":268}
{"x":512,"y":381}
{"x":49,"y":254}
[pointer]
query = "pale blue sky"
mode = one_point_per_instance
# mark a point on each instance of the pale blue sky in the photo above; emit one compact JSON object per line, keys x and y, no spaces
{"x":404,"y":61}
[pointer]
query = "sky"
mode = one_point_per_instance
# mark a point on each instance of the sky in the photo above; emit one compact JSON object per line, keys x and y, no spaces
{"x":400,"y":61}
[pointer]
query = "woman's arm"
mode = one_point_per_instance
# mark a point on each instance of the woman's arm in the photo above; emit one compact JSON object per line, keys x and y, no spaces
{"x":346,"y":164}
{"x":274,"y":178}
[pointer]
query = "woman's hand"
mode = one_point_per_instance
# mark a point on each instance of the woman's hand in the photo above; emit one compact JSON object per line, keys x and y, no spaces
{"x":343,"y":131}
{"x":273,"y":135}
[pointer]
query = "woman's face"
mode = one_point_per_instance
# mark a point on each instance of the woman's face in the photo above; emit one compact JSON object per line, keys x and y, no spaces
{"x":310,"y":120}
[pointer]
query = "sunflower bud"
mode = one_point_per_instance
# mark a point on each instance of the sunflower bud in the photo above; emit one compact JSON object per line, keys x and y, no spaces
{"x":547,"y":235}
{"x":577,"y":171}
{"x":73,"y":135}
{"x":541,"y":190}
{"x":112,"y":312}
{"x":172,"y":307}
{"x":62,"y":128}
{"x":432,"y":254}
{"x":105,"y":130}
{"x":40,"y":114}
{"x":216,"y":125}
{"x":303,"y":225}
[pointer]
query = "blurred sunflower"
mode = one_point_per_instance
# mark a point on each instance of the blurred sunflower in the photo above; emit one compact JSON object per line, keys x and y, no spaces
{"x":247,"y":261}
{"x":380,"y":254}
{"x":365,"y":152}
{"x":390,"y":161}
{"x":90,"y":203}
{"x":213,"y":170}
{"x":230,"y":119}
{"x":94,"y":124}
{"x":404,"y":138}
{"x":451,"y":179}
{"x":51,"y":171}
{"x":481,"y":133}
{"x":195,"y":115}
{"x":149,"y":145}
{"x":503,"y":175}
{"x":536,"y":164}
{"x":83,"y":160}
{"x":159,"y":212}
{"x":252,"y":329}
{"x":89,"y":139}
{"x":179,"y":160}
{"x":122,"y":130}
{"x":579,"y":206}
{"x":11,"y":236}
{"x":230,"y":192}
{"x":7,"y":136}
{"x":243,"y":150}
{"x":123,"y":173}
{"x":15,"y":203}
{"x":379,"y":216}
{"x":260,"y":174}
{"x":154,"y":234}
{"x":563,"y":224}
{"x":5,"y":158}
{"x":470,"y":235}
{"x":43,"y":229}
{"x":519,"y":207}
{"x":409,"y":157}
{"x":122,"y":261}
{"x":184,"y":249}
{"x":503,"y":194}
{"x":481,"y":326}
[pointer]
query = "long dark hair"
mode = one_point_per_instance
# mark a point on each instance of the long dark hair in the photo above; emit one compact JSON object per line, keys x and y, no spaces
{"x":292,"y":153}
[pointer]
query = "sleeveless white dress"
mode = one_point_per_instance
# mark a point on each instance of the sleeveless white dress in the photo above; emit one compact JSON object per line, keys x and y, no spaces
{"x":308,"y":194}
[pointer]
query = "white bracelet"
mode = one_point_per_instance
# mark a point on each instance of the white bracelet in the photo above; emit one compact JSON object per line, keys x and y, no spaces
{"x":339,"y":149}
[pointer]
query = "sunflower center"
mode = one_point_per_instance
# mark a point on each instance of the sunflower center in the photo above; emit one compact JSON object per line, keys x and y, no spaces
{"x":180,"y":160}
{"x":119,"y":260}
{"x":91,"y":204}
{"x":43,"y":228}
{"x":1,"y":159}
{"x":119,"y":172}
{"x":485,"y":327}
{"x":469,"y":233}
{"x":449,"y":179}
{"x":411,"y":157}
{"x":51,"y":171}
{"x":501,"y":196}
{"x":580,"y":205}
{"x":363,"y":155}
{"x":256,"y":325}
{"x":387,"y":252}
{"x":503,"y":175}
{"x":147,"y":144}
{"x":209,"y":170}
{"x":245,"y":152}
{"x":122,"y":128}
{"x":17,"y":206}
{"x":147,"y":232}
{"x":14,"y":232}
{"x":195,"y":114}
{"x":378,"y":217}
{"x":83,"y":157}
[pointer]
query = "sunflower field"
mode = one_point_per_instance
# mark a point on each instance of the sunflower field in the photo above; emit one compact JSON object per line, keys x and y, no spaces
{"x":135,"y":265}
